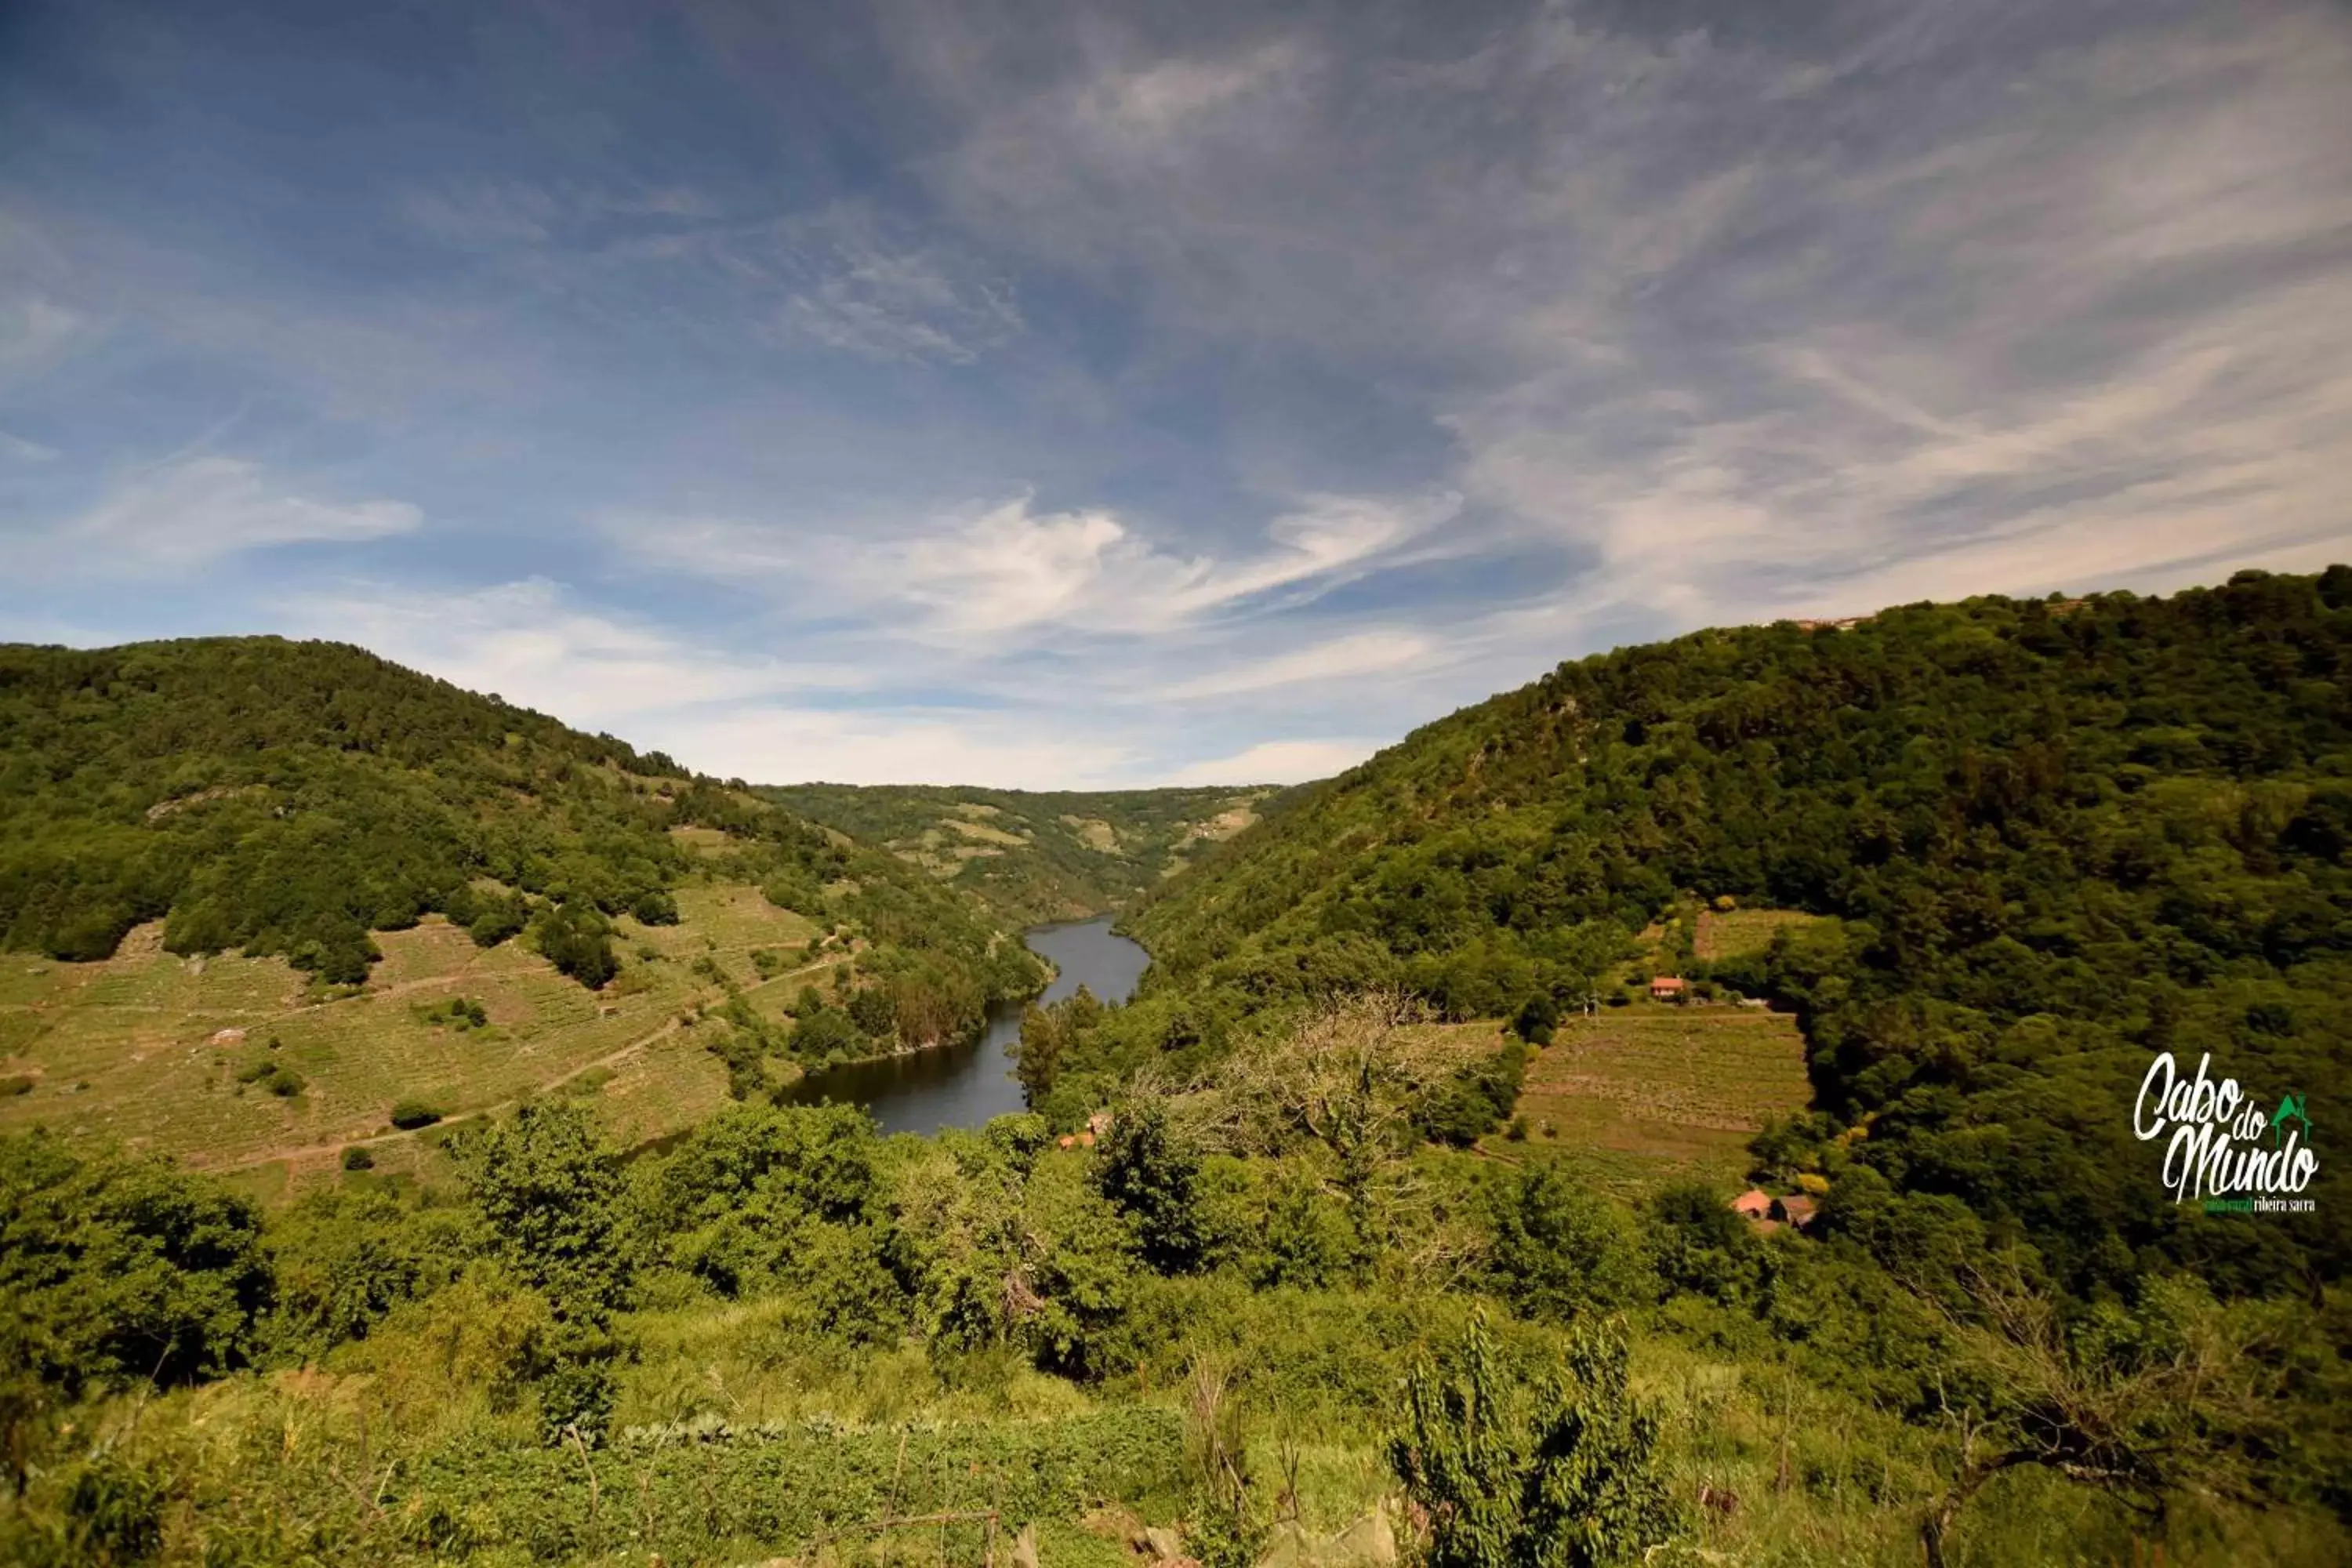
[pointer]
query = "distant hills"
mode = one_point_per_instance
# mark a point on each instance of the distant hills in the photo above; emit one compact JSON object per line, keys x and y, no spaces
{"x":1036,"y":856}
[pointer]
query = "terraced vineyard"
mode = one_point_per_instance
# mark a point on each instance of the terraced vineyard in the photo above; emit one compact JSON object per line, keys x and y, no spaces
{"x":1645,"y":1093}
{"x":1033,"y":857}
{"x":150,"y":1048}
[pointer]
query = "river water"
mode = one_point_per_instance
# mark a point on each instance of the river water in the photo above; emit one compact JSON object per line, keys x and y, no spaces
{"x":965,"y":1086}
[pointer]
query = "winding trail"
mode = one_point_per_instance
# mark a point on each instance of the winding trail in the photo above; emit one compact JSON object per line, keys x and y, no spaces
{"x":333,"y":1150}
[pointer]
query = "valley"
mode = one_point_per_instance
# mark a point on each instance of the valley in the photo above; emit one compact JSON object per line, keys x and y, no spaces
{"x":403,"y":1084}
{"x":1033,"y":857}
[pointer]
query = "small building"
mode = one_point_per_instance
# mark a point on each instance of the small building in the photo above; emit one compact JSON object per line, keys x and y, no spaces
{"x":1666,"y":988}
{"x":1753,"y":1204}
{"x":1797,"y":1209}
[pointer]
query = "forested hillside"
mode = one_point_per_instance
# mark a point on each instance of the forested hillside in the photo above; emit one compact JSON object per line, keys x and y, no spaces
{"x":1032,"y":856}
{"x":282,"y":798}
{"x":2053,"y":837}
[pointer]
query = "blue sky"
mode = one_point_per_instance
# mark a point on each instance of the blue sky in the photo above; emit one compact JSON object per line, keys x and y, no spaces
{"x":1081,"y":396}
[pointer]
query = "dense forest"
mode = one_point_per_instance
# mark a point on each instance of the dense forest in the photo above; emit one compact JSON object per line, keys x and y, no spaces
{"x":291,"y":798}
{"x":1031,"y":856}
{"x":2054,"y":837}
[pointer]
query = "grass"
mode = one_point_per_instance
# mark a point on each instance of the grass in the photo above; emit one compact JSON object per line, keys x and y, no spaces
{"x":1730,"y":933}
{"x":1647,"y":1094}
{"x":125,"y":1049}
{"x":801,"y":1436}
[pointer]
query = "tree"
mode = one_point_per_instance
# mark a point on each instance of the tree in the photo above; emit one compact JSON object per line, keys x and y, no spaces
{"x":2135,"y":1404}
{"x":1152,"y":1176}
{"x":1563,"y":1477}
{"x":1559,"y":1250}
{"x":578,"y":940}
{"x":114,"y":1270}
{"x":547,"y":1194}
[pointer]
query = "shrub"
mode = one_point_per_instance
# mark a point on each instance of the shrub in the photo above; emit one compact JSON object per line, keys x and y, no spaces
{"x":1566,"y":1478}
{"x":115,"y":1513}
{"x":284,"y":1082}
{"x":655,"y":909}
{"x":1560,"y":1249}
{"x":460,"y":1014}
{"x":577,"y":1396}
{"x":1473,"y":1100}
{"x":357,"y":1158}
{"x":578,"y":940}
{"x":119,"y":1269}
{"x":825,"y":1035}
{"x":411,"y":1114}
{"x":496,"y":921}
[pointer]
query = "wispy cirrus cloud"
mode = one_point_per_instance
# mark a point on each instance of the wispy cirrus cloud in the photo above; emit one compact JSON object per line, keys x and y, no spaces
{"x":1341,"y":658}
{"x":535,"y":643}
{"x":1014,"y":571}
{"x":194,"y":510}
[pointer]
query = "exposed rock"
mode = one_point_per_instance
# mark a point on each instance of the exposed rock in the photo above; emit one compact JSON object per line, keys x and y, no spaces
{"x":1024,"y":1547}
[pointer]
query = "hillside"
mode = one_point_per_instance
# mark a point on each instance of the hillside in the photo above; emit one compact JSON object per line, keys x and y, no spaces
{"x":1402,"y":1159}
{"x":2052,"y":838}
{"x":1034,"y":857}
{"x":245,"y":874}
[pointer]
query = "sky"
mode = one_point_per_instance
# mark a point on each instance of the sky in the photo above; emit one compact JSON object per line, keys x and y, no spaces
{"x":1092,"y":395}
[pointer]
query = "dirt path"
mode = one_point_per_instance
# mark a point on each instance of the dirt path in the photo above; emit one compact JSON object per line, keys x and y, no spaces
{"x":333,"y":1150}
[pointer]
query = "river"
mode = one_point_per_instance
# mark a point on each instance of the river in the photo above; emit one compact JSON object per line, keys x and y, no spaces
{"x":965,"y":1085}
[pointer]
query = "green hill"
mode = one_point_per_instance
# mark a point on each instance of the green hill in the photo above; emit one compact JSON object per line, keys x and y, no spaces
{"x":1035,"y":856}
{"x":205,"y":845}
{"x":2052,"y":838}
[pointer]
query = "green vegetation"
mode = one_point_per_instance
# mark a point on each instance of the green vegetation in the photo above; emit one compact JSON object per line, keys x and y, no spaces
{"x":296,"y":798}
{"x":1393,"y":1202}
{"x":1035,"y":856}
{"x":786,"y":1328}
{"x":208,"y":838}
{"x":2048,"y":840}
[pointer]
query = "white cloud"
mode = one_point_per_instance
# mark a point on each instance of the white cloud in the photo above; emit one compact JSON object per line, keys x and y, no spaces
{"x":16,"y":450}
{"x":1001,"y":578}
{"x":1013,"y":570}
{"x":195,"y":510}
{"x":721,"y":711}
{"x":1345,"y":657}
{"x":785,"y":745}
{"x":531,"y":644}
{"x":484,"y":217}
{"x":34,"y":330}
{"x":892,"y":302}
{"x":1281,"y":762}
